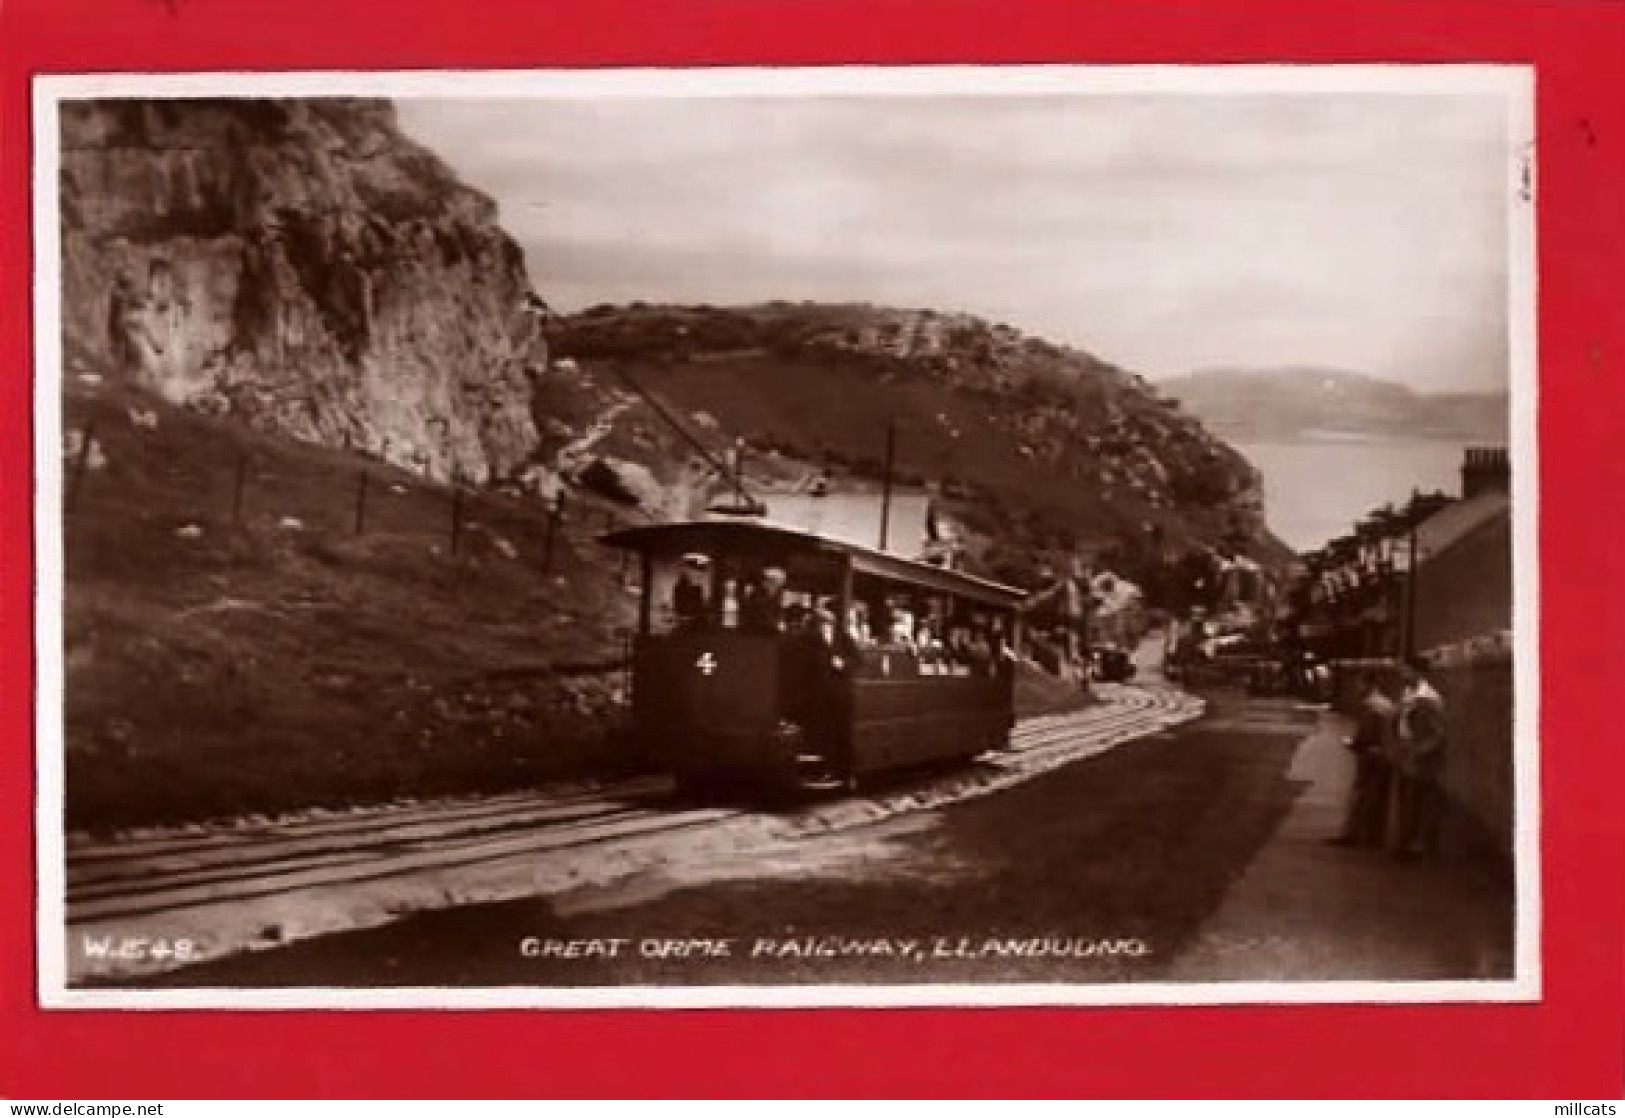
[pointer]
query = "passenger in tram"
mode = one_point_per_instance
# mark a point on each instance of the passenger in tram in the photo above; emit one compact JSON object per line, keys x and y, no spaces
{"x":763,"y":608}
{"x":879,"y":618}
{"x":730,"y":604}
{"x":832,"y":643}
{"x":857,"y":625}
{"x":902,"y":629}
{"x":812,"y":659}
{"x":689,"y":596}
{"x":795,"y":618}
{"x":979,"y":651}
{"x":928,"y":644}
{"x":1005,"y":654}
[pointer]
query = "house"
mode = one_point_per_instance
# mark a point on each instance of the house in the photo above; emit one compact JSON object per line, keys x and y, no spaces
{"x":1463,"y":582}
{"x":1463,"y":624}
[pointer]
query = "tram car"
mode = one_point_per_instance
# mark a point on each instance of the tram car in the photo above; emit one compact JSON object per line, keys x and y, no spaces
{"x":778,"y":659}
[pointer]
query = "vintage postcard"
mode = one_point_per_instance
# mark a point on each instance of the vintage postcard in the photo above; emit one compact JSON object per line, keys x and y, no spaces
{"x":996,"y":535}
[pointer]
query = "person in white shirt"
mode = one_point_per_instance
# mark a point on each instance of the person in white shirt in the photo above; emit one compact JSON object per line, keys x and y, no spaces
{"x":1419,"y":763}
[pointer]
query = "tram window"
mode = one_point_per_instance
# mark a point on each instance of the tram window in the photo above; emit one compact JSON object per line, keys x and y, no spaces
{"x":699,"y":589}
{"x":685,"y":592}
{"x":890,"y":617}
{"x":778,"y":597}
{"x":912,"y":630}
{"x":749,"y":592}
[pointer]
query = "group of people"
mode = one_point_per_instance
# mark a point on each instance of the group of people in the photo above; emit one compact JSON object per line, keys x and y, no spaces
{"x":761,"y":603}
{"x":894,"y":627}
{"x":1399,"y":747}
{"x":759,"y":606}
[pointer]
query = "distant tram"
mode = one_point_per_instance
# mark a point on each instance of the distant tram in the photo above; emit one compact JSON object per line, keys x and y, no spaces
{"x":779,"y":659}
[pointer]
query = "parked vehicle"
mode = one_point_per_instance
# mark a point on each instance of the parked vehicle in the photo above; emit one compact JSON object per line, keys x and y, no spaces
{"x":1112,"y":664}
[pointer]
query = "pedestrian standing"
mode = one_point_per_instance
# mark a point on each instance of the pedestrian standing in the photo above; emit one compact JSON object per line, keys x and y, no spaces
{"x":1365,"y":823}
{"x":1420,"y":761}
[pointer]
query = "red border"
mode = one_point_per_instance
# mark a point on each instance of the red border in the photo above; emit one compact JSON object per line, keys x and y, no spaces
{"x":1571,"y":1045}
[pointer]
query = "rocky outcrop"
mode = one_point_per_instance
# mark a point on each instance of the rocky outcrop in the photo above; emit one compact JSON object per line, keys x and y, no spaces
{"x":304,"y":267}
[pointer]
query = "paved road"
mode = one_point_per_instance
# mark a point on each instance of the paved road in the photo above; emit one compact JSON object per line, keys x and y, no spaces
{"x":1192,"y":854}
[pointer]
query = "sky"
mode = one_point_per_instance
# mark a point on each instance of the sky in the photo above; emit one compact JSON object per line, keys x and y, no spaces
{"x":1162,"y":232}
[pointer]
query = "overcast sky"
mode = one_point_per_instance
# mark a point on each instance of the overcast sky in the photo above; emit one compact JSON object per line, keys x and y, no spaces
{"x":1164,"y":232}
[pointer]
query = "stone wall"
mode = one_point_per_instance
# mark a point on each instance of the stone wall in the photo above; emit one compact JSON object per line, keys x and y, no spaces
{"x":1477,"y":689}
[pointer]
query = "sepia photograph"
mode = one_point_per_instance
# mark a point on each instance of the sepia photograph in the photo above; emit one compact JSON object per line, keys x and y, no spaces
{"x":842,"y":536}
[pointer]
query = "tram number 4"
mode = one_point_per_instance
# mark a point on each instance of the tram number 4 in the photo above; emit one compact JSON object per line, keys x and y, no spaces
{"x":707,"y":663}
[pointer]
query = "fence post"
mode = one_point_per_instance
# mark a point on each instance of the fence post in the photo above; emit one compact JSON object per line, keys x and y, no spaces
{"x":81,"y":463}
{"x":555,"y":509}
{"x":361,"y":502}
{"x":238,"y":484}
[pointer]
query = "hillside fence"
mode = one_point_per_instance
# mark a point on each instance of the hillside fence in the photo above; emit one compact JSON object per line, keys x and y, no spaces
{"x":332,"y":491}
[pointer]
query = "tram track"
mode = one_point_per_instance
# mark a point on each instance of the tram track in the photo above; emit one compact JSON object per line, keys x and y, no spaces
{"x":384,"y":863}
{"x":240,"y":886}
{"x":97,"y":874}
{"x":108,"y":868}
{"x":1132,"y":711}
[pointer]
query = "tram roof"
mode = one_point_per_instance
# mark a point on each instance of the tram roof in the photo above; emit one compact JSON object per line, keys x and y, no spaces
{"x":693,"y":535}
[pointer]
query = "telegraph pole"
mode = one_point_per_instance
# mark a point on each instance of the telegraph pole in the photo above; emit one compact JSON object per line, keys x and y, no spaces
{"x":555,"y":513}
{"x":885,"y":493}
{"x":1414,"y":571}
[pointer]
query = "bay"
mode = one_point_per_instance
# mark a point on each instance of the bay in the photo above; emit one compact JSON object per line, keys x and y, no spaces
{"x":1316,"y":488}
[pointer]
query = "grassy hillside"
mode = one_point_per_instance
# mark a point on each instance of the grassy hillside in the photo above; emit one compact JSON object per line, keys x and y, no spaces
{"x":284,"y":660}
{"x":1039,"y":449}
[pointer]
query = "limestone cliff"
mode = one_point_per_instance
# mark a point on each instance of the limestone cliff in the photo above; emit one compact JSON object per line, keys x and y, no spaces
{"x":302,"y":266}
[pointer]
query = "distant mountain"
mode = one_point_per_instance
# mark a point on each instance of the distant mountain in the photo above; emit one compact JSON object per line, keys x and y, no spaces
{"x":1305,"y":402}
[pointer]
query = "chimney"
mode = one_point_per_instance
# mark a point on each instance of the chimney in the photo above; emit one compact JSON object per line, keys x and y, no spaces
{"x":1485,"y":469}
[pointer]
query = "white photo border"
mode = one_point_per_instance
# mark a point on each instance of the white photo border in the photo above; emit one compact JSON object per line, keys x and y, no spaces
{"x":1516,"y":83}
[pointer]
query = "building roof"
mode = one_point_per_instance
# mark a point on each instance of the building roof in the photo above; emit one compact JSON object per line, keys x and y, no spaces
{"x":1445,"y":528}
